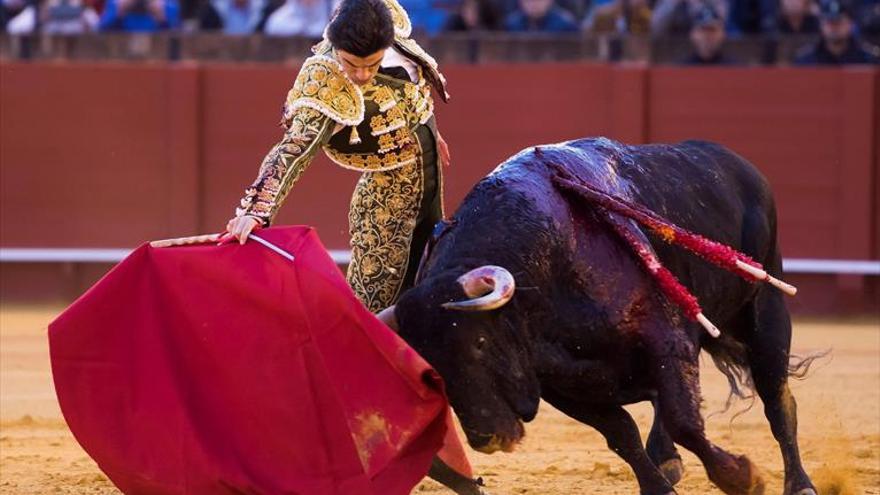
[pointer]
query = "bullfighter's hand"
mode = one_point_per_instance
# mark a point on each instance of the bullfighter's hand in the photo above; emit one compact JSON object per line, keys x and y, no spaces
{"x":240,"y":228}
{"x":443,"y":148}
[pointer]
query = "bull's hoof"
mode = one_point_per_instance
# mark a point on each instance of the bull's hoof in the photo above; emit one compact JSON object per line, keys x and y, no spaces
{"x":472,"y":489}
{"x":743,"y":478}
{"x":673,"y":470}
{"x":455,"y":481}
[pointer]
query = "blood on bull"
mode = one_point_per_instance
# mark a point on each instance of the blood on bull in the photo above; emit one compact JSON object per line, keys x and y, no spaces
{"x":536,"y":289}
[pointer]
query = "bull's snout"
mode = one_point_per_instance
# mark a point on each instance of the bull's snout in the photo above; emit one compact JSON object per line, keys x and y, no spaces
{"x":491,"y":443}
{"x":525,"y":408}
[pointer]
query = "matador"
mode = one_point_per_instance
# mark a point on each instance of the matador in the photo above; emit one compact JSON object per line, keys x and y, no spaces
{"x":369,"y":106}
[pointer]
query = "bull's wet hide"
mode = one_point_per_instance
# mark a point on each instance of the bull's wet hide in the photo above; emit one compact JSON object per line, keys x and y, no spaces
{"x":593,"y":332}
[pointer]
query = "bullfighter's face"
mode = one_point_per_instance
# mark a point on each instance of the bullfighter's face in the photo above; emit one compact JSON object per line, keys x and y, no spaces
{"x":360,"y":70}
{"x":482,"y":356}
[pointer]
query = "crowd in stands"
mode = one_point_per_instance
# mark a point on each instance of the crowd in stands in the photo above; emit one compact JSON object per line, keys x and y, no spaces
{"x":837,"y":25}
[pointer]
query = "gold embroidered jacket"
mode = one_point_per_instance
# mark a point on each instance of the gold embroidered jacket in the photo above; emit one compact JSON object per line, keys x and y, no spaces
{"x":379,"y":120}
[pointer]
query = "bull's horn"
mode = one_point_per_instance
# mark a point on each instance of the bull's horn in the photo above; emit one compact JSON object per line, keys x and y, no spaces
{"x":495,"y":280}
{"x":388,"y":317}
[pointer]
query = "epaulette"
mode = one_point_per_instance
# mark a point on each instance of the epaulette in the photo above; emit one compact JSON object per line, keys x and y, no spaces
{"x":402,"y":25}
{"x":323,"y":86}
{"x":414,"y":51}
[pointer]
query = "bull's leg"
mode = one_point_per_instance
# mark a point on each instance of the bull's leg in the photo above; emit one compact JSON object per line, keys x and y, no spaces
{"x":675,"y":367}
{"x":768,"y":344}
{"x":622,"y":435}
{"x":662,"y":450}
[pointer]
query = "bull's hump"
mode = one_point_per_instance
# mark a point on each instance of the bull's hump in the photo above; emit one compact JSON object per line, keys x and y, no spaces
{"x":578,"y":153}
{"x":593,"y":160}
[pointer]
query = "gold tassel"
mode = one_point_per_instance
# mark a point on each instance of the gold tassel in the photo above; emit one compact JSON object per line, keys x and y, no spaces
{"x":354,"y":138}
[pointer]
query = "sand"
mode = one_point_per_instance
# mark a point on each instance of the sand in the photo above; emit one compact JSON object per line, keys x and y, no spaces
{"x":838,"y":405}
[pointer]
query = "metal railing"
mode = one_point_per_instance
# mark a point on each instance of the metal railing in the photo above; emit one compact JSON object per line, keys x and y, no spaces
{"x":342,"y":257}
{"x":448,"y":48}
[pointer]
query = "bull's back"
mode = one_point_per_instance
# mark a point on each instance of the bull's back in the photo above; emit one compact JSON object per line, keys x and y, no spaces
{"x":701,"y":186}
{"x":709,"y":190}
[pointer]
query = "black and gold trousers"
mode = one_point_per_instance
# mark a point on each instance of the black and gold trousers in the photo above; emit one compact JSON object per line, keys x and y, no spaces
{"x":391,"y":218}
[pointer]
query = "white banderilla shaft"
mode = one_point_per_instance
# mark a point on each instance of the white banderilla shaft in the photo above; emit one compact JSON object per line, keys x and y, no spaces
{"x":762,"y":275}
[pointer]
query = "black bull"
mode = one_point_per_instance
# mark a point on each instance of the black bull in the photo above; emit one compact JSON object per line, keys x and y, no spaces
{"x":586,"y":327}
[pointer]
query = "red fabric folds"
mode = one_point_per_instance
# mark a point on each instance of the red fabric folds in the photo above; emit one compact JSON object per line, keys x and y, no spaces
{"x":230,"y":369}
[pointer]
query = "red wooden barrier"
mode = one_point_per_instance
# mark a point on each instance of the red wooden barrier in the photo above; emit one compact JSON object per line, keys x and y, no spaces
{"x":110,"y":155}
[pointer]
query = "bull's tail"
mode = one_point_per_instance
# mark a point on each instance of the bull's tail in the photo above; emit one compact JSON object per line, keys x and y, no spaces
{"x":730,"y":359}
{"x":799,"y":366}
{"x":729,"y":356}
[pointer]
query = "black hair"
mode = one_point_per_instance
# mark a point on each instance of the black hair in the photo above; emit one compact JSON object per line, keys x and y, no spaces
{"x":361,"y":27}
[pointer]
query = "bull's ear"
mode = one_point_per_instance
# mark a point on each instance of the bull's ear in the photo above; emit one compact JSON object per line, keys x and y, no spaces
{"x":388,"y":317}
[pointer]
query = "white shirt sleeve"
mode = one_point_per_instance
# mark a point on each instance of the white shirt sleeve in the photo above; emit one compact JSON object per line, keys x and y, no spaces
{"x":394,"y":58}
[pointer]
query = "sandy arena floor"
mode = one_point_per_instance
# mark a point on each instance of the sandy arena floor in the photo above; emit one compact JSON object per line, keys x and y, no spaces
{"x":839,"y":410}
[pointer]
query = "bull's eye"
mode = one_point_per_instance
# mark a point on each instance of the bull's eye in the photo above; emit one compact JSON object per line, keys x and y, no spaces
{"x":481,"y":342}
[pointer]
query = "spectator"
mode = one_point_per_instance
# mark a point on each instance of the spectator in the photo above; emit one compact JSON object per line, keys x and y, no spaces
{"x":140,"y":15}
{"x":707,"y":38}
{"x":68,"y":17}
{"x":474,"y":15}
{"x":795,"y":18}
{"x":540,"y":15}
{"x":752,"y":16}
{"x":577,"y":8}
{"x":673,"y":17}
{"x":9,"y":9}
{"x":869,"y":17}
{"x":22,"y":18}
{"x":190,"y":13}
{"x":619,"y":16}
{"x":428,"y":16}
{"x":300,"y":18}
{"x":839,"y":43}
{"x":235,"y":17}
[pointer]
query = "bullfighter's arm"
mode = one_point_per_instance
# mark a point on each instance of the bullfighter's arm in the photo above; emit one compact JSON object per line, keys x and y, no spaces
{"x":285,"y":163}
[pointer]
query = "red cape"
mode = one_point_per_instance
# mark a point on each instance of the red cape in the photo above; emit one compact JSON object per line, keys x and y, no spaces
{"x":230,"y":369}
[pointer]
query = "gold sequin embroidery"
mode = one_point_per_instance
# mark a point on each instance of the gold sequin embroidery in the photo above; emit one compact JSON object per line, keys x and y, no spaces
{"x":323,"y":86}
{"x":382,"y":219}
{"x":284,"y":164}
{"x":402,"y":25}
{"x":372,"y":162}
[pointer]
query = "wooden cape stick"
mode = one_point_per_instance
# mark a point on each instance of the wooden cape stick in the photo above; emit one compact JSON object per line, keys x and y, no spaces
{"x":202,"y":239}
{"x":183,"y":241}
